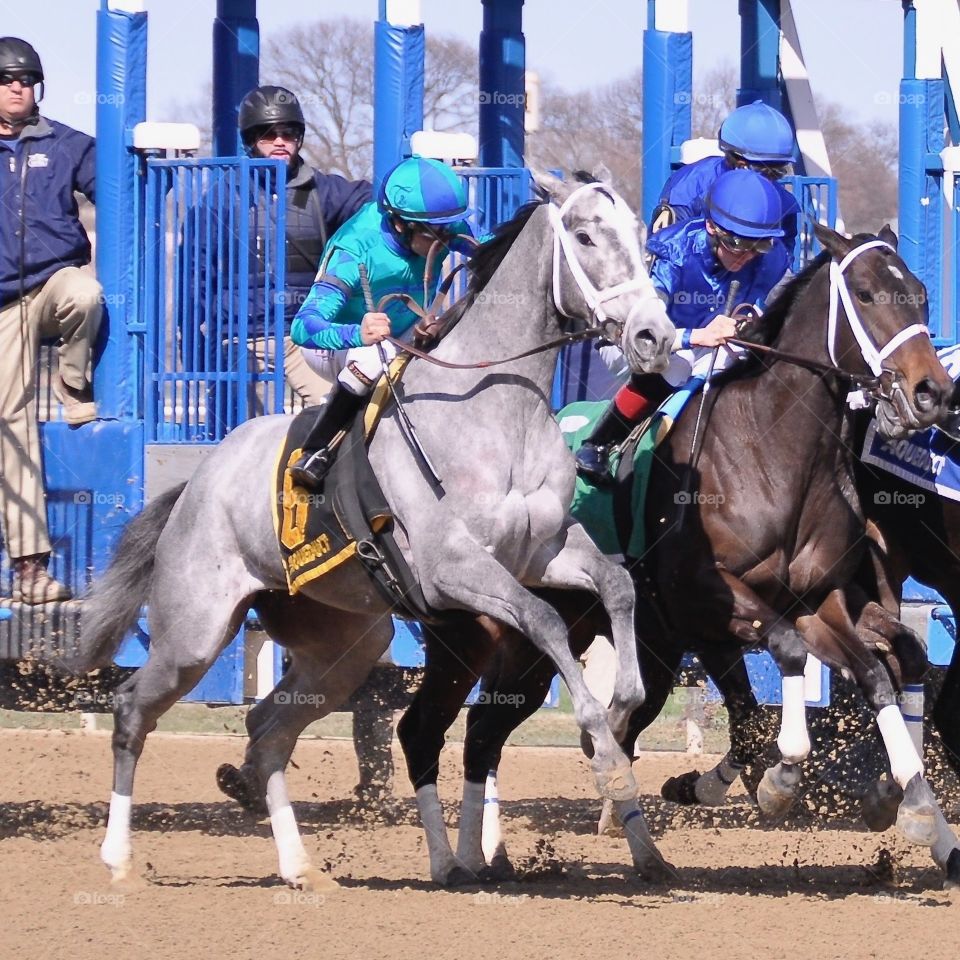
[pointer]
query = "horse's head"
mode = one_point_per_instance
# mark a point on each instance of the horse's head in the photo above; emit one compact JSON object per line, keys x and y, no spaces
{"x":598,"y":272}
{"x":878,"y":325}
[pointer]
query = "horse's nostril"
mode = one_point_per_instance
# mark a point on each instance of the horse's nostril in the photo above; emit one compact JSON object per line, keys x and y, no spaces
{"x":927,"y":395}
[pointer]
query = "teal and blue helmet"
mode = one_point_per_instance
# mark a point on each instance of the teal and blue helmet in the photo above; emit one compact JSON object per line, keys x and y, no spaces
{"x":757,"y":133}
{"x":421,"y":190}
{"x":744,"y":203}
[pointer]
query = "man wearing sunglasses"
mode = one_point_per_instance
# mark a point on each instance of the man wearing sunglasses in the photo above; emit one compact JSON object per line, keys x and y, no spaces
{"x":754,"y":137}
{"x":43,"y":294}
{"x":272,"y":125}
{"x":697,"y":262}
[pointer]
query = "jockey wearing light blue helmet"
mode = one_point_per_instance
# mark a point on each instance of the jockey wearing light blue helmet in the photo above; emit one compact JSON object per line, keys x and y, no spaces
{"x":419,"y":202}
{"x":754,"y":136}
{"x":696,"y":263}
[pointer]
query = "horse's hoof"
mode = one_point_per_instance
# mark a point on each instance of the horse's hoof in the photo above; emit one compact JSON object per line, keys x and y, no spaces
{"x":617,"y":784}
{"x":499,"y":870}
{"x":952,"y":880}
{"x":880,"y":805}
{"x":917,"y":816}
{"x":121,"y":875}
{"x":771,"y":799}
{"x":609,"y":824}
{"x":656,"y":870}
{"x":460,"y":877}
{"x":682,"y":789}
{"x":311,"y":880}
{"x":236,"y":785}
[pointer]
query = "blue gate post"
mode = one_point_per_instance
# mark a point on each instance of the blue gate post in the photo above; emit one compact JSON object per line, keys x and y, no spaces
{"x":502,"y":90}
{"x":667,"y":95}
{"x":398,"y":64}
{"x":236,"y":69}
{"x":760,"y":53}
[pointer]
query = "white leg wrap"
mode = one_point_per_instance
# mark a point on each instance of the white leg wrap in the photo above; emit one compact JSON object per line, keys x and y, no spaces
{"x":905,"y":762}
{"x":712,"y":788}
{"x":442,"y":860}
{"x":469,"y":840}
{"x":911,"y":706}
{"x":115,"y":851}
{"x":793,"y":741}
{"x":641,"y":844}
{"x":492,"y":840}
{"x":291,"y":853}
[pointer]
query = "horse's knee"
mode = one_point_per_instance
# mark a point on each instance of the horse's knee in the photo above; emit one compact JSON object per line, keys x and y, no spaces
{"x":787,"y":649}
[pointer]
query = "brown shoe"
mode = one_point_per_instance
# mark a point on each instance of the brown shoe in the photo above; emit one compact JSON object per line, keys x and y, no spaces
{"x":78,"y":405}
{"x":33,"y":585}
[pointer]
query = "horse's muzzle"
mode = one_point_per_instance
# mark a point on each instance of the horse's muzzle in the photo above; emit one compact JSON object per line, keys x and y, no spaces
{"x":648,"y":337}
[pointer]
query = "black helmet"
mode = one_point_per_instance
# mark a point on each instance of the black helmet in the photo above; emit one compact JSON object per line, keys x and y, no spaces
{"x":17,"y":56}
{"x":265,"y":106}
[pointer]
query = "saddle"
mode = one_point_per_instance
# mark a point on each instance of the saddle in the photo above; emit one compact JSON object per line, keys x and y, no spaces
{"x":349,"y":519}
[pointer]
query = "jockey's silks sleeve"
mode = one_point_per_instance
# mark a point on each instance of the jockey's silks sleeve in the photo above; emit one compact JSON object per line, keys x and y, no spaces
{"x":321,"y":322}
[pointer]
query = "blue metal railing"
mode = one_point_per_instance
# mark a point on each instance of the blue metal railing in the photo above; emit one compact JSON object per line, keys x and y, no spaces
{"x":211,"y":289}
{"x":817,"y":197}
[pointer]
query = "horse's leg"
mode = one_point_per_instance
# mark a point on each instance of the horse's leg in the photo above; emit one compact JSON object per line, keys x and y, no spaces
{"x":189,"y":628}
{"x":490,"y":589}
{"x":455,"y":655}
{"x":332,"y":653}
{"x":579,"y":565}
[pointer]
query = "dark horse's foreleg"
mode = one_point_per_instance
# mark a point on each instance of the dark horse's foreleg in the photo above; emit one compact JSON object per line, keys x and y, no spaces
{"x":456,"y":654}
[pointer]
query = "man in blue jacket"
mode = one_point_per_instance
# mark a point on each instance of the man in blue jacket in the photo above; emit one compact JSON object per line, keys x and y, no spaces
{"x":696,"y":264}
{"x":272,"y":125}
{"x":43,"y":294}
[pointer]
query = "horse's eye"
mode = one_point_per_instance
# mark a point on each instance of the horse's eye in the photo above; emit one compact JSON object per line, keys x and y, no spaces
{"x":865,"y":296}
{"x":585,"y":239}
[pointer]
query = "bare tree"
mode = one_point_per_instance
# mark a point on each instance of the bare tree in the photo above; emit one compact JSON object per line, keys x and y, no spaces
{"x":714,"y":96}
{"x":451,"y":82}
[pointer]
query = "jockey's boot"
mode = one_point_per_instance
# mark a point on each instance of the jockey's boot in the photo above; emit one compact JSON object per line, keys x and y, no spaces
{"x":317,"y":456}
{"x":33,"y":585}
{"x":593,"y":457}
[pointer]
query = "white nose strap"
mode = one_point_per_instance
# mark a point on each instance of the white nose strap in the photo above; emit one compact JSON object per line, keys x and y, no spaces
{"x":839,"y":292}
{"x":563,"y":242}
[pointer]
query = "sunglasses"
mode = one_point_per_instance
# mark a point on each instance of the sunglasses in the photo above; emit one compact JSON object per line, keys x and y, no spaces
{"x":24,"y":79}
{"x":737,"y":244}
{"x":772,"y":171}
{"x":283,"y":131}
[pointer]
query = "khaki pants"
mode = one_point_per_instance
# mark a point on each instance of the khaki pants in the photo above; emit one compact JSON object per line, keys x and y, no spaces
{"x":68,"y":306}
{"x":306,"y":384}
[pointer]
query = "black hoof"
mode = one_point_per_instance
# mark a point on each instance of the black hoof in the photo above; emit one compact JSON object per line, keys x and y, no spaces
{"x":682,"y":789}
{"x":880,"y":804}
{"x":235,"y":785}
{"x":500,"y":870}
{"x":952,"y":881}
{"x":461,"y":877}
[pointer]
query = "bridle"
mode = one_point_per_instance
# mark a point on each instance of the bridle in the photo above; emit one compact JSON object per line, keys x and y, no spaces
{"x":565,"y":251}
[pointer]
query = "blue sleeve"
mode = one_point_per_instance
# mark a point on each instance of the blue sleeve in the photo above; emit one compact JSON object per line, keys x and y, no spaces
{"x":769,"y":273}
{"x":85,"y":177}
{"x":666,"y":277}
{"x":341,"y":198}
{"x":316,"y":324}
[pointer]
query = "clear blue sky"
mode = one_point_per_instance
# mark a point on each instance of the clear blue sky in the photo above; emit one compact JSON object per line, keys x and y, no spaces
{"x":575,"y":43}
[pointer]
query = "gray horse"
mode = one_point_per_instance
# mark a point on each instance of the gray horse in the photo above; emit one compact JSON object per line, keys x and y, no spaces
{"x":202,"y":555}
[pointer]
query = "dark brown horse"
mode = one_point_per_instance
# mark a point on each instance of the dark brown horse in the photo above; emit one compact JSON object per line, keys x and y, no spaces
{"x":773,"y":532}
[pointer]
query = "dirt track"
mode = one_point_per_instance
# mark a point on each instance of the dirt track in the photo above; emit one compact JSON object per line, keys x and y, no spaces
{"x":209,"y":888}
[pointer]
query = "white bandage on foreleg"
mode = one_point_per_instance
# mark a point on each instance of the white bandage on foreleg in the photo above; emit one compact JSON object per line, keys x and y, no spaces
{"x":794,"y":740}
{"x":905,"y":762}
{"x":469,"y":849}
{"x":115,"y":851}
{"x":492,"y":840}
{"x":291,"y":853}
{"x":911,"y":706}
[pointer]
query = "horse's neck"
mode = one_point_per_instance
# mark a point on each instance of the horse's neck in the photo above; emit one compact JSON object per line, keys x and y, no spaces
{"x":810,"y":405}
{"x":514,"y":311}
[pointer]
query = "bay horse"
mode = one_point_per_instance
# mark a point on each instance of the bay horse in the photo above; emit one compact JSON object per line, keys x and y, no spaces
{"x":774,"y":535}
{"x":201,"y":555}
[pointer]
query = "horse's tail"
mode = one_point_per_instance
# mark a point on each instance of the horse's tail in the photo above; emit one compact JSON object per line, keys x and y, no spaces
{"x":112,"y":605}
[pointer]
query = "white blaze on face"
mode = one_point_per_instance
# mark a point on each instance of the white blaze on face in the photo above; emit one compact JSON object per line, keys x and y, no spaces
{"x":895,"y":271}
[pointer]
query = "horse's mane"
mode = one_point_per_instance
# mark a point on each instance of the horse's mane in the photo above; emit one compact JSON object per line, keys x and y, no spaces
{"x":485,"y":260}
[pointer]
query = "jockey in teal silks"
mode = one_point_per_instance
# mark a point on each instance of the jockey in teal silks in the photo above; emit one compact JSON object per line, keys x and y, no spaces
{"x":696,"y":263}
{"x":420,"y":201}
{"x":754,"y":136}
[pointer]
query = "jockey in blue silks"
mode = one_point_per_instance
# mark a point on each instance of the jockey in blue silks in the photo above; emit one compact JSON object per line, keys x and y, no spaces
{"x":696,"y":263}
{"x":420,"y":201}
{"x":755,"y":137}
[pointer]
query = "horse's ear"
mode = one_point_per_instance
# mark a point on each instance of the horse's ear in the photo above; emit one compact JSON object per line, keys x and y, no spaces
{"x":887,"y":235}
{"x":550,"y":187}
{"x":838,"y":245}
{"x":601,"y":173}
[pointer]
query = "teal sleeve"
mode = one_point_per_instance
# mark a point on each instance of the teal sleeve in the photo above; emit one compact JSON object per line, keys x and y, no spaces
{"x":316,"y":324}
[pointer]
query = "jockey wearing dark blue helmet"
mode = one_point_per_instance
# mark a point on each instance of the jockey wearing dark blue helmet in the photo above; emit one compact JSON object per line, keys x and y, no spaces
{"x":754,"y":136}
{"x":696,"y":264}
